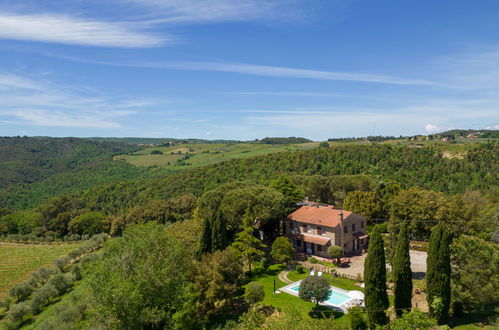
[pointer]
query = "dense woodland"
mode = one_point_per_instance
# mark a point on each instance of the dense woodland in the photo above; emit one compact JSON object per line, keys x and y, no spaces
{"x":185,"y":244}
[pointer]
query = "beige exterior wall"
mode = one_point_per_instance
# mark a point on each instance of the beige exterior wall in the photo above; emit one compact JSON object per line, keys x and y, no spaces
{"x":336,"y":234}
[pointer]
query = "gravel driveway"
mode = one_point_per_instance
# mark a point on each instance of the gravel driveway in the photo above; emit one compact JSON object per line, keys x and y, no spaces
{"x":418,"y":265}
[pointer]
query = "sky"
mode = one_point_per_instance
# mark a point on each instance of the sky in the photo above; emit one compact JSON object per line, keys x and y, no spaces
{"x":247,"y":69}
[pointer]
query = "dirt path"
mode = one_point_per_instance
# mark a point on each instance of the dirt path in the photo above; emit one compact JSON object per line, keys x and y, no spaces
{"x":283,"y":276}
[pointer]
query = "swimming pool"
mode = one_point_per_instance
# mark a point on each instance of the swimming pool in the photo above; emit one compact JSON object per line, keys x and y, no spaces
{"x":336,"y":298}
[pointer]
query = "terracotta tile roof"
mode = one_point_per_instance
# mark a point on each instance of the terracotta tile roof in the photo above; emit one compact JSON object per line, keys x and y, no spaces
{"x":322,"y":215}
{"x":314,"y":239}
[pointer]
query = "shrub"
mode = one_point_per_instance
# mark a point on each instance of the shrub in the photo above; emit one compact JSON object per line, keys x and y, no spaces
{"x":356,"y":318}
{"x":254,"y":293}
{"x":264,"y":262}
{"x":60,"y":263}
{"x":359,"y":277}
{"x":313,"y":260}
{"x":413,"y":320}
{"x":335,"y":251}
{"x":300,"y":269}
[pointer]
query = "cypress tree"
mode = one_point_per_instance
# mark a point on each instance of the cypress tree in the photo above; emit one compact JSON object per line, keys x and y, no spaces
{"x":402,"y":273}
{"x":219,"y":233}
{"x":376,"y":298}
{"x":205,"y":243}
{"x":438,"y":271}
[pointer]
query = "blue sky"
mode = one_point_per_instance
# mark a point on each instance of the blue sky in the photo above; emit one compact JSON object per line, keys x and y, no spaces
{"x":247,"y":69}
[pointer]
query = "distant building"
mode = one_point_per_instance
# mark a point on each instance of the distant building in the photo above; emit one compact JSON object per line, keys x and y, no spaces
{"x":314,"y":227}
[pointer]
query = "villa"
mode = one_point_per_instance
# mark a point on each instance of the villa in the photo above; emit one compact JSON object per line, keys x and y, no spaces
{"x":314,"y":227}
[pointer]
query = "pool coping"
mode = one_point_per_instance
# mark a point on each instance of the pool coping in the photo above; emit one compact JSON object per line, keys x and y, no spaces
{"x":342,"y":308}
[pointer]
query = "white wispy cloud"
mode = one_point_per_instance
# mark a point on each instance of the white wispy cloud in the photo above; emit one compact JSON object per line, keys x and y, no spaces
{"x":55,"y":118}
{"x":28,"y":101}
{"x":211,"y":11}
{"x":262,"y":93}
{"x":145,"y":24}
{"x":260,"y":70}
{"x":65,"y":29}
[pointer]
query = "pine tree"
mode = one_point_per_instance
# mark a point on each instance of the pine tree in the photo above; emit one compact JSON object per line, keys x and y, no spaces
{"x":376,"y":298}
{"x":248,"y":246}
{"x":205,"y":243}
{"x":439,"y":271}
{"x":219,"y":233}
{"x":402,"y":273}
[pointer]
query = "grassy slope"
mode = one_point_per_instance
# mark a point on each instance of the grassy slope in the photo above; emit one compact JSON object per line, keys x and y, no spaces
{"x":205,"y":154}
{"x":284,"y":301}
{"x":18,"y":261}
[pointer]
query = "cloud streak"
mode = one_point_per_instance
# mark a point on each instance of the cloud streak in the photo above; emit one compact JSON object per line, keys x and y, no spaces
{"x":261,"y":70}
{"x":41,"y":103}
{"x":65,"y":29}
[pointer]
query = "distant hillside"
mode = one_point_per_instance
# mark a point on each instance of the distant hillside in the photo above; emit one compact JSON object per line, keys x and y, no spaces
{"x":470,"y":133}
{"x":283,"y":140}
{"x":156,"y":141}
{"x":30,"y":159}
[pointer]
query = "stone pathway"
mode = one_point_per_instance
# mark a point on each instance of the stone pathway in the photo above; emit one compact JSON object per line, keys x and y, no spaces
{"x":283,"y":276}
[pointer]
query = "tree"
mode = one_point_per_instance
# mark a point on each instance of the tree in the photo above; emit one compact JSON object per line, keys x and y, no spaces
{"x":282,"y":250}
{"x":315,"y":289}
{"x":262,"y":204}
{"x":205,"y":243}
{"x":475,"y":273}
{"x":219,"y":233}
{"x":90,"y":223}
{"x":21,"y":291}
{"x":62,"y":282}
{"x":376,"y":299}
{"x":335,"y":251}
{"x":254,"y":293}
{"x":248,"y":246}
{"x":324,"y":144}
{"x":43,"y":296}
{"x":366,"y":203}
{"x":292,"y":194}
{"x":142,"y":280}
{"x":402,"y":274}
{"x":18,"y":311}
{"x":439,"y":271}
{"x":413,"y":320}
{"x":217,"y":280}
{"x":356,"y":317}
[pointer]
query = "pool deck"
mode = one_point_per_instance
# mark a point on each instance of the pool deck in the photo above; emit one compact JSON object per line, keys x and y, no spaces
{"x":341,"y":308}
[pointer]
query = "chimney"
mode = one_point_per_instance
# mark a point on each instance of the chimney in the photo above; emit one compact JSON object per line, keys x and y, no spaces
{"x":341,"y":216}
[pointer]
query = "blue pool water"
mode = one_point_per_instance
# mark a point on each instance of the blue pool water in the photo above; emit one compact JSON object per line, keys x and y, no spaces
{"x":336,"y":298}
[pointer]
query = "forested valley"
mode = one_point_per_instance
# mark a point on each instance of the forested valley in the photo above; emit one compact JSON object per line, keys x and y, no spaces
{"x":183,"y":247}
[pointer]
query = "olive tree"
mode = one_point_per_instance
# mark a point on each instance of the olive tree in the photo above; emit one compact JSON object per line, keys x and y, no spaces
{"x":315,"y":289}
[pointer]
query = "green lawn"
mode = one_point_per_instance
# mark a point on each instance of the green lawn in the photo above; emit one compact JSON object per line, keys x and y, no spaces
{"x":284,"y":301}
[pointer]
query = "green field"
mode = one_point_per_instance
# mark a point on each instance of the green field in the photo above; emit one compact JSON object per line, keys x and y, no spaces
{"x":18,"y":261}
{"x":204,"y":154}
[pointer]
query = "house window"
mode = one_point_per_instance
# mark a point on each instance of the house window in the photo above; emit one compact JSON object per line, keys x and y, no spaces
{"x":345,"y":229}
{"x":319,"y":231}
{"x":353,"y":228}
{"x":304,"y":228}
{"x":319,"y":248}
{"x":362,"y":241}
{"x":362,"y":224}
{"x":298,"y":243}
{"x":291,"y":225}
